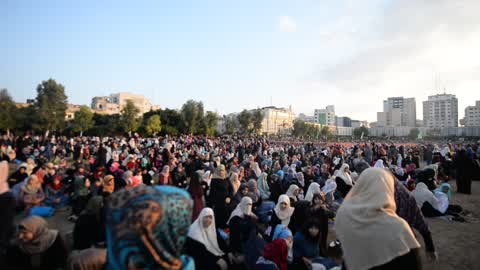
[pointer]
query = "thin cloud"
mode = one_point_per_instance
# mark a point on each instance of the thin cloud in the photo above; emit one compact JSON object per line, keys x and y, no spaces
{"x":287,"y":24}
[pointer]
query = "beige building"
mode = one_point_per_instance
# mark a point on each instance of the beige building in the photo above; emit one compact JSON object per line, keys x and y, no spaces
{"x":114,"y":103}
{"x":472,"y":115}
{"x":277,"y":120}
{"x":440,"y":111}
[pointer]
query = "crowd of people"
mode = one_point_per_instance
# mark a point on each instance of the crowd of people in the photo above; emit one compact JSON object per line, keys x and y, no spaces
{"x":193,"y":202}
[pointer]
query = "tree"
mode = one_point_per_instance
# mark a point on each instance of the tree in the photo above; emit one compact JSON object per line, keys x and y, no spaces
{"x":192,"y":116}
{"x":83,"y":119}
{"x":357,"y":132}
{"x":154,"y":125}
{"x":231,"y":125}
{"x":210,"y":120}
{"x":414,"y":132}
{"x":50,"y":105}
{"x":8,"y":111}
{"x":172,"y":122}
{"x":245,"y":122}
{"x":299,"y":128}
{"x":257,"y":119}
{"x":130,"y":119}
{"x":325,"y":131}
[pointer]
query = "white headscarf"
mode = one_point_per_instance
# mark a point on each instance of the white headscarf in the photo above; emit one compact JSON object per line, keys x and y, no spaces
{"x":312,"y":190}
{"x":284,"y":215}
{"x":291,"y":191}
{"x":443,"y":202}
{"x":344,"y":176}
{"x":379,"y":164}
{"x":422,"y":194}
{"x":235,"y":182}
{"x":256,"y":169}
{"x":244,"y":208}
{"x":206,"y":236}
{"x":367,"y":218}
{"x":330,"y":186}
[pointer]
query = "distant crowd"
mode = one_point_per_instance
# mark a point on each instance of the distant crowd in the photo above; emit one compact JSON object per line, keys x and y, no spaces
{"x":195,"y":202}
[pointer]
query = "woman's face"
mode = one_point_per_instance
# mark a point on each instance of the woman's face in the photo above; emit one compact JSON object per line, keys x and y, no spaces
{"x":245,"y":191}
{"x":313,"y":231}
{"x":25,"y":236}
{"x":283,"y":206}
{"x":296,"y":192}
{"x":445,"y":189}
{"x":207,"y":221}
{"x":317,"y":201}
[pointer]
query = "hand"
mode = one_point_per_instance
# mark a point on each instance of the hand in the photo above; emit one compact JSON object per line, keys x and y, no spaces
{"x":431,"y":256}
{"x":222,"y":264}
{"x":227,"y":200}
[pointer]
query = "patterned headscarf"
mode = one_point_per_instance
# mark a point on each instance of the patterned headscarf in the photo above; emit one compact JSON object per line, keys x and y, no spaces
{"x":147,"y":228}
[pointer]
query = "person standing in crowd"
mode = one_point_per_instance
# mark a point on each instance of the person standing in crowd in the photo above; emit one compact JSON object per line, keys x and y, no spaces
{"x":464,"y":169}
{"x":221,"y":194}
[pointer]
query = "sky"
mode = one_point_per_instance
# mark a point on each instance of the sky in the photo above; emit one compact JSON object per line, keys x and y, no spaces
{"x":235,"y":55}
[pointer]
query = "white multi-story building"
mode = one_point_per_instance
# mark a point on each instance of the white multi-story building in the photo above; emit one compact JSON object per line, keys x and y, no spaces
{"x":325,"y":116}
{"x":472,"y":115}
{"x":114,"y":103}
{"x":277,"y":120}
{"x":398,"y":112}
{"x":440,"y":111}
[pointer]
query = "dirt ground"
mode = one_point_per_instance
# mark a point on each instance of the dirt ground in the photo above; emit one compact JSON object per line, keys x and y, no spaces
{"x":457,"y":244}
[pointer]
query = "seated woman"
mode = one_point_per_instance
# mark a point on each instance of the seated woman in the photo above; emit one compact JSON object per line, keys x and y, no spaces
{"x":426,"y":201}
{"x":241,"y":192}
{"x":281,"y":213}
{"x":292,"y":193}
{"x":277,"y":254}
{"x":146,"y":228}
{"x":241,"y":223}
{"x":372,"y":235}
{"x":19,"y":175}
{"x":344,"y":180}
{"x":427,"y":176}
{"x":55,"y":193}
{"x":261,"y":207}
{"x":89,"y":228}
{"x":37,"y":247}
{"x":444,"y":195}
{"x":32,"y":194}
{"x":306,"y":245}
{"x":318,"y":211}
{"x":329,"y":190}
{"x":204,"y":244}
{"x":81,"y":196}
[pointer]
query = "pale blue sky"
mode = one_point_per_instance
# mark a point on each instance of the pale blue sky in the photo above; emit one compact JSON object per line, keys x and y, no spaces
{"x":237,"y":54}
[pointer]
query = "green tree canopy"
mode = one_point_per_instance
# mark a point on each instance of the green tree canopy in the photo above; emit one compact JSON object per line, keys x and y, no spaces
{"x":154,"y":125}
{"x":8,"y":111}
{"x":211,"y":120}
{"x":245,"y":122}
{"x":231,"y":125}
{"x":257,"y":120}
{"x":83,"y":119}
{"x":50,"y":105}
{"x":414,"y":132}
{"x":357,"y":132}
{"x":130,"y":119}
{"x":192,"y":116}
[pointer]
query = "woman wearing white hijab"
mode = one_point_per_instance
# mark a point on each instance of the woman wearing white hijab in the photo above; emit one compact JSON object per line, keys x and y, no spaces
{"x":282,"y":212}
{"x":313,"y":189}
{"x":379,"y":164}
{"x":234,"y":180}
{"x":203,"y":242}
{"x":344,"y":180}
{"x":242,"y":222}
{"x":292,"y":193}
{"x":371,"y":233}
{"x":426,"y":201}
{"x":329,"y":190}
